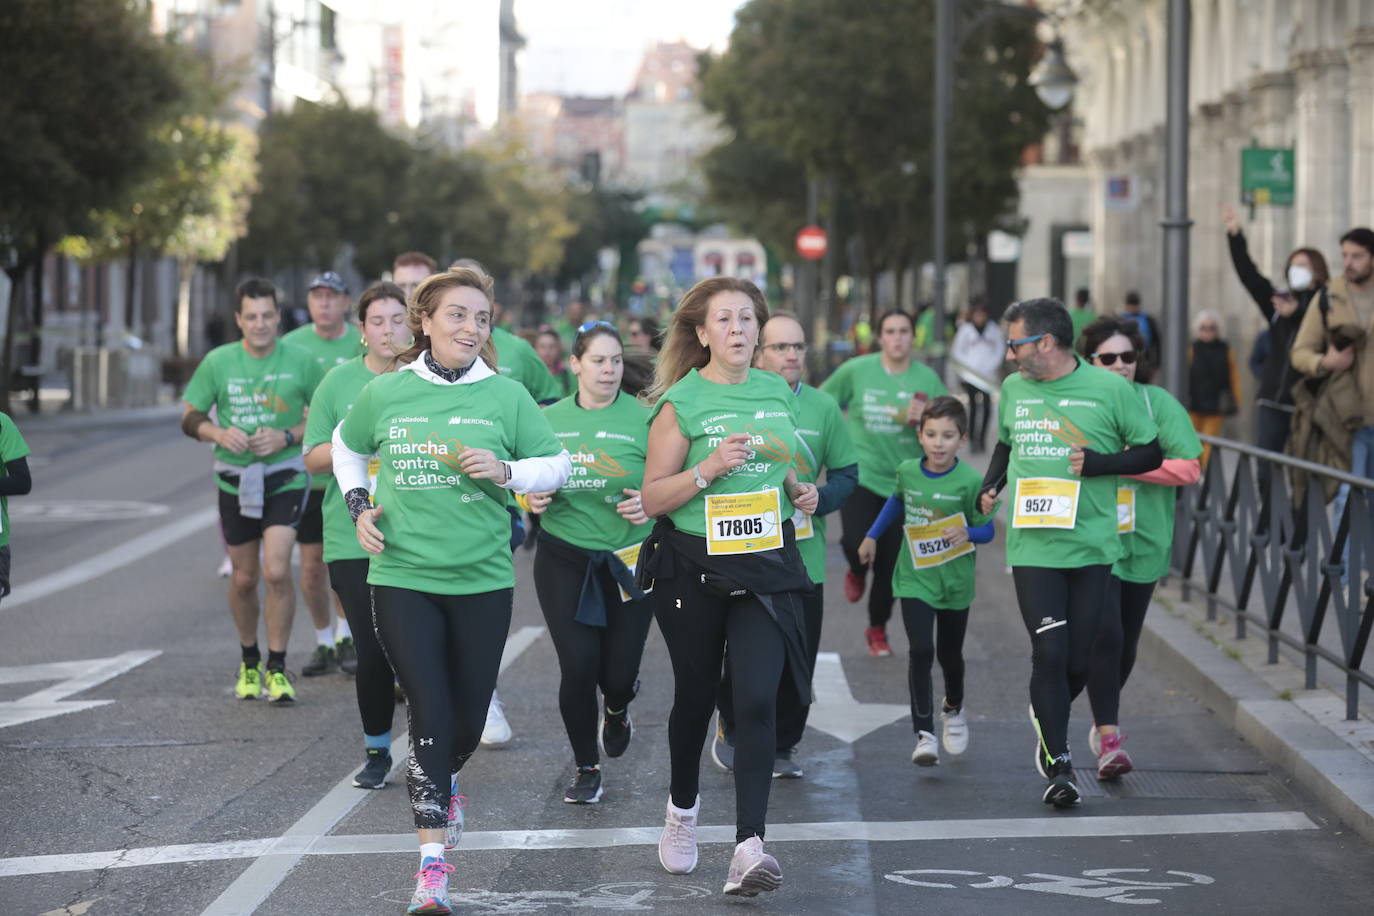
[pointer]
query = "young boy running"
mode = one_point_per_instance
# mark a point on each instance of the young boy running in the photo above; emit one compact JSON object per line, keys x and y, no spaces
{"x":937,"y":498}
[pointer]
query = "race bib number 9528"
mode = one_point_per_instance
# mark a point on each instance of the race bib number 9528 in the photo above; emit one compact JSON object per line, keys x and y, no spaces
{"x":927,"y":543}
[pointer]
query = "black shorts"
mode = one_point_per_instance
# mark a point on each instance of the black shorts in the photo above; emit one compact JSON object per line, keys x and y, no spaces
{"x":311,"y":528}
{"x":4,"y":570}
{"x":281,"y":508}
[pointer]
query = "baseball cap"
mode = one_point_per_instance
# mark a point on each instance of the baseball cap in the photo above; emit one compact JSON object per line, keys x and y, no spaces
{"x":330,"y":280}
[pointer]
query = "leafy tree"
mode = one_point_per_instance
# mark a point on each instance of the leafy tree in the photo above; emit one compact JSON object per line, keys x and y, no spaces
{"x":86,"y":84}
{"x":604,"y":218}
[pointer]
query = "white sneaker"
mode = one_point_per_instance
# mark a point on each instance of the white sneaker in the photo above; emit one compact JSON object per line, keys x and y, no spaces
{"x":226,"y":569}
{"x":497,"y":729}
{"x":927,"y":753}
{"x":954,"y":733}
{"x":677,"y":845}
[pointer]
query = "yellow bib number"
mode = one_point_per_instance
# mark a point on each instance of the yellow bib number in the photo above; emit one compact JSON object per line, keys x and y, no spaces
{"x":802,"y":522}
{"x":374,"y":467}
{"x":1045,"y":502}
{"x":927,"y":543}
{"x":743,"y":522}
{"x":630,"y":557}
{"x":1125,"y":510}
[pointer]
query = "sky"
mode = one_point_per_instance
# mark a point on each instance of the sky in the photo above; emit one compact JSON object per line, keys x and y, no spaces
{"x":593,"y":47}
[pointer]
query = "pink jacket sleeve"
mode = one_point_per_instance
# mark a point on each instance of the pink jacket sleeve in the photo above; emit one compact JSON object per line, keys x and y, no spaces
{"x":1174,"y":472}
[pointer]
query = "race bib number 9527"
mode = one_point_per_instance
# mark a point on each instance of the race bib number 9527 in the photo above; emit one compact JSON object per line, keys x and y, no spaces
{"x":1045,"y":502}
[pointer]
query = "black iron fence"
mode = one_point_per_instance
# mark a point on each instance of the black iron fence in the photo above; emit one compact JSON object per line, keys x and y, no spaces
{"x":1257,"y":536}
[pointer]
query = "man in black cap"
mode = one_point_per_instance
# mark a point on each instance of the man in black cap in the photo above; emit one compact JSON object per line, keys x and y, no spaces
{"x":333,"y":340}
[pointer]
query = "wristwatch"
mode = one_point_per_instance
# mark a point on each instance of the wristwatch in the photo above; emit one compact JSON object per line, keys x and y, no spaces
{"x":290,"y":438}
{"x":702,"y":482}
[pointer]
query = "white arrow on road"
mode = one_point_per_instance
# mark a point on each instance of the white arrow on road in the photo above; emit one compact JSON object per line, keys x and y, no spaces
{"x":74,"y":677}
{"x":836,"y":712}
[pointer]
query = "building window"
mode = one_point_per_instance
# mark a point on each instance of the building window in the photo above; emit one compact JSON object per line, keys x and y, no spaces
{"x":328,"y":21}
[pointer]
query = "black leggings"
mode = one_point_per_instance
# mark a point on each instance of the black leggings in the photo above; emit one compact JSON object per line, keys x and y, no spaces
{"x":446,"y":650}
{"x":922,"y":623}
{"x":373,"y":683}
{"x":588,"y":657}
{"x":697,"y":626}
{"x":979,"y":411}
{"x":1061,"y":609}
{"x":856,"y":515}
{"x":792,"y":712}
{"x":1114,"y":650}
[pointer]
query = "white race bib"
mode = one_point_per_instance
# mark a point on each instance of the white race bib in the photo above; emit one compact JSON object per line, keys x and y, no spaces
{"x":927,"y":545}
{"x":1125,"y":510}
{"x":802,"y":522}
{"x":1045,"y":502}
{"x":743,"y":522}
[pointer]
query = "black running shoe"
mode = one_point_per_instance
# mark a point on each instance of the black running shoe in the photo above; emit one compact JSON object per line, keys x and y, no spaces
{"x":374,"y":772}
{"x":784,"y":767}
{"x":616,"y":730}
{"x":322,"y":662}
{"x":585,"y":788}
{"x":347,"y":654}
{"x":1061,"y":791}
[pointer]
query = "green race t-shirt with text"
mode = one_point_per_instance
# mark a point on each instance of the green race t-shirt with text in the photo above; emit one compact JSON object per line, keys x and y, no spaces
{"x":328,"y":353}
{"x":516,"y":358}
{"x":446,"y":533}
{"x":823,"y":441}
{"x":250,"y":393}
{"x":762,"y":407}
{"x":333,"y":399}
{"x":877,"y":402}
{"x":1147,"y":547}
{"x":1042,"y":422}
{"x":12,"y":448}
{"x":607,"y":448}
{"x":926,"y":499}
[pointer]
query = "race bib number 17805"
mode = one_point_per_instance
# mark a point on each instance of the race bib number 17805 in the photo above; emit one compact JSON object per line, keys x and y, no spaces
{"x":743,"y":522}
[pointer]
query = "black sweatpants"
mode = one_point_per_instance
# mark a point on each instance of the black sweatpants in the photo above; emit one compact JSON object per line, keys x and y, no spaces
{"x":446,"y":651}
{"x":589,"y":657}
{"x":1114,"y":651}
{"x":791,"y":711}
{"x":1062,"y":609}
{"x":697,"y":626}
{"x":856,"y":515}
{"x":923,"y":623}
{"x":373,"y":682}
{"x":979,"y":412}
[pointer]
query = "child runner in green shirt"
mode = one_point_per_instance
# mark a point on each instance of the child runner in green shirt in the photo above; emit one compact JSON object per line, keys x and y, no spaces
{"x":937,"y":499}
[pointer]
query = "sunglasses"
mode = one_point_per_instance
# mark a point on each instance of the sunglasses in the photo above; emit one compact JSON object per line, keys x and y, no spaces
{"x":589,"y":325}
{"x":1013,"y":344}
{"x":1109,"y":359}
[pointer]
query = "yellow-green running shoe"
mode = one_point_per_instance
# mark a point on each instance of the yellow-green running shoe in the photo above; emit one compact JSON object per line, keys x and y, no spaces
{"x":249,"y":683}
{"x":279,"y":689}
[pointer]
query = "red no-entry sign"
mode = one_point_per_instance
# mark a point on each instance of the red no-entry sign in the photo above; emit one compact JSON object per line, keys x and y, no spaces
{"x":811,"y":243}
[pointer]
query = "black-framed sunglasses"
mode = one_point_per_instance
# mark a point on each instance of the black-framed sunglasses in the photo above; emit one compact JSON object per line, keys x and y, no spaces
{"x":1109,"y":359}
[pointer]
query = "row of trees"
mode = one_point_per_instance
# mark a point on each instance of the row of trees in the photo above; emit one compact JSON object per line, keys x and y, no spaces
{"x":841,"y":94}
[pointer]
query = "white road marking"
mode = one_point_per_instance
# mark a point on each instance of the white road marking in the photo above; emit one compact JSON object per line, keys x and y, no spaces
{"x":276,"y":857}
{"x":836,"y":712}
{"x":111,"y":560}
{"x":280,"y":854}
{"x":74,"y":677}
{"x":84,"y":510}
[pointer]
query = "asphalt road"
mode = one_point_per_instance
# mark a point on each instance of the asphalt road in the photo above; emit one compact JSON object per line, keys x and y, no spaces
{"x":153,"y":791}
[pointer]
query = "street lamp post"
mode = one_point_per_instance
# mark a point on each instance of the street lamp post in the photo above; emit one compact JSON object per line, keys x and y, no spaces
{"x":1176,"y":221}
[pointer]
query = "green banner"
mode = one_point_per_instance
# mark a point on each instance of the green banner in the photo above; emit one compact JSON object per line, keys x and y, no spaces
{"x":1267,"y":176}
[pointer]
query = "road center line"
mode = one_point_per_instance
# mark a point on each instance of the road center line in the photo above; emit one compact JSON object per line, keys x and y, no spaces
{"x":114,"y":559}
{"x":276,"y":857}
{"x":280,"y":854}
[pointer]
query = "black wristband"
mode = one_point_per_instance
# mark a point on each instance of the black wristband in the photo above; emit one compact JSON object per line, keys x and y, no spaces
{"x":358,"y":502}
{"x":290,"y":438}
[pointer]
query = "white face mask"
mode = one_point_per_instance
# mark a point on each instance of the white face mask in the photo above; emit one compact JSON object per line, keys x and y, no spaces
{"x":1299,"y":277}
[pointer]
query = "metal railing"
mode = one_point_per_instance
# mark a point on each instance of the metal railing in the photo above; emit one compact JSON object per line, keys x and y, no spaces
{"x":1279,"y":563}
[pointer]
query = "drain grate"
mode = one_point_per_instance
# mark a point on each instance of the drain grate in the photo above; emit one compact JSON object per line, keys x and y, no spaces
{"x":1253,"y":785}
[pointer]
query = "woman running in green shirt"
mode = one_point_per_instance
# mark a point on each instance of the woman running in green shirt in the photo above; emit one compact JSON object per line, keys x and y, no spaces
{"x":451,"y":438}
{"x":14,"y":481}
{"x":720,"y":479}
{"x":382,"y":315}
{"x":592,"y":527}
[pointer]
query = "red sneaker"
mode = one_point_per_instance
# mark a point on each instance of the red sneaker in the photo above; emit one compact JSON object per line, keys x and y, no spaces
{"x":877,"y":641}
{"x":853,"y":587}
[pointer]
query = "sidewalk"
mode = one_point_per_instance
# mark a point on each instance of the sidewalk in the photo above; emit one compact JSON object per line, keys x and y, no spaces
{"x":67,"y":420}
{"x":1302,"y":731}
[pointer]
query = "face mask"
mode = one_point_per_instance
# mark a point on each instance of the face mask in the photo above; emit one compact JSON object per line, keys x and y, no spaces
{"x":1299,"y":277}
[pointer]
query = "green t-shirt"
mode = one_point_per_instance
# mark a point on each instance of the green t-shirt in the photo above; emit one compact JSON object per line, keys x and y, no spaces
{"x":946,"y":585}
{"x":12,"y":448}
{"x":328,"y":353}
{"x":249,"y":393}
{"x":824,"y":443}
{"x":1081,"y":318}
{"x":761,"y":406}
{"x":446,"y":533}
{"x":877,"y":402}
{"x":516,"y":358}
{"x":333,"y":399}
{"x":607,"y":448}
{"x":1041,"y":422}
{"x":1147,"y":547}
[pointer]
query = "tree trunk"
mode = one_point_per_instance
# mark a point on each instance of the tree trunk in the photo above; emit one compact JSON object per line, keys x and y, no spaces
{"x":36,"y":330}
{"x":16,"y":275}
{"x":131,"y":286}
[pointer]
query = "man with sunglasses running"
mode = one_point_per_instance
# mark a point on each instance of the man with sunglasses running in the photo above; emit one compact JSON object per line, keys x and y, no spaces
{"x":1066,"y":431}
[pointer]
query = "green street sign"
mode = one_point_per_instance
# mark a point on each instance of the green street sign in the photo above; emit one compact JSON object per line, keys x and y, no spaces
{"x":1267,"y":176}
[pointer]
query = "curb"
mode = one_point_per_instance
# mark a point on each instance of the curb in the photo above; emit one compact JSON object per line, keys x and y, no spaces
{"x":1338,"y":775}
{"x":97,"y":419}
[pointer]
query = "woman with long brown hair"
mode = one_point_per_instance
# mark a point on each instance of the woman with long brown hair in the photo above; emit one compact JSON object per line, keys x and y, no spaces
{"x":450,"y":436}
{"x":723,"y":558}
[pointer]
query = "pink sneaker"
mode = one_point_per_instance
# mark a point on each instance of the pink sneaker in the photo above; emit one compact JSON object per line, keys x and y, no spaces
{"x":1112,"y":760}
{"x":752,"y":870}
{"x":677,"y":845}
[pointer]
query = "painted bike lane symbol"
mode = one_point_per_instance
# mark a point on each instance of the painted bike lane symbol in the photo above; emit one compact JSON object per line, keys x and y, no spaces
{"x":1115,"y":885}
